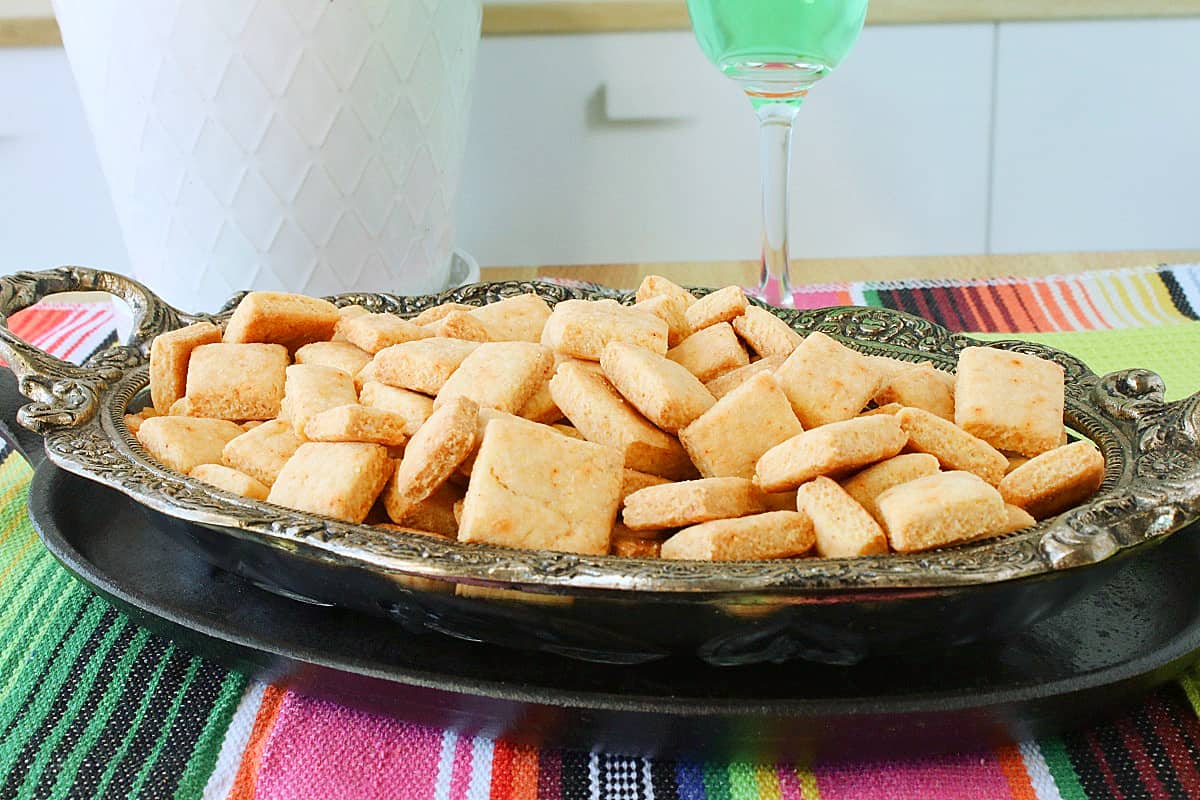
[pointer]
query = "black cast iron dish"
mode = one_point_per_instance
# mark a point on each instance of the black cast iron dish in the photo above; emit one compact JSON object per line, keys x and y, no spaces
{"x":605,"y":609}
{"x":1102,"y":651}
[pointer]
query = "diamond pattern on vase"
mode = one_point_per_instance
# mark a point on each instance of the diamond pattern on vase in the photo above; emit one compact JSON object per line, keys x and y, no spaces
{"x":299,"y":144}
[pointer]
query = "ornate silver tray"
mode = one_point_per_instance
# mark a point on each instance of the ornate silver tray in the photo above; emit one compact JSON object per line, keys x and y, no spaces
{"x":838,"y":610}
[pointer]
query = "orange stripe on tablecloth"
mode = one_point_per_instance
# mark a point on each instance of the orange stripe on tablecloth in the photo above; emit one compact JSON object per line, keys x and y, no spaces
{"x":1050,"y":302}
{"x":1027,"y":295}
{"x":1086,"y":290}
{"x":1068,"y":289}
{"x":502,"y":758}
{"x":246,"y":780}
{"x":1013,"y":768}
{"x":524,"y":773}
{"x":1015,"y":305}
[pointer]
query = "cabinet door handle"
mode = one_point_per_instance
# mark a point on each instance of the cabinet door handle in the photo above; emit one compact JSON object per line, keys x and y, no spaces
{"x":635,"y":101}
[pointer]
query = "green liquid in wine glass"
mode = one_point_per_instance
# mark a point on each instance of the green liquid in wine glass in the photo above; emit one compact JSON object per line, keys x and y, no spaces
{"x":776,"y":48}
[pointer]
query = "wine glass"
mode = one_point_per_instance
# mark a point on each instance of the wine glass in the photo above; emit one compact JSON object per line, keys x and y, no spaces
{"x":776,"y":50}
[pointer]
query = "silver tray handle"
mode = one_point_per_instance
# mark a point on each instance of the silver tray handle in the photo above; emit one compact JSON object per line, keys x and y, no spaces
{"x":1162,"y":493}
{"x":63,"y":394}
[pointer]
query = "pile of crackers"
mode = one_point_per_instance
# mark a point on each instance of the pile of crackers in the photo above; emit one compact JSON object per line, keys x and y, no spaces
{"x":677,"y":427}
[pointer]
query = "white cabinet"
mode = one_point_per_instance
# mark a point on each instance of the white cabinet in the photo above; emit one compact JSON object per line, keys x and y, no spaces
{"x":631,"y":147}
{"x":54,"y":203}
{"x":1097,"y":136}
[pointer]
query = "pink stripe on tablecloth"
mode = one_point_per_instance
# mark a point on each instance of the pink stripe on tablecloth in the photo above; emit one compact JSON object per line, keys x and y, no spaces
{"x":820,"y":298}
{"x":966,"y":776}
{"x":460,"y":777}
{"x":789,"y":783}
{"x":321,"y":750}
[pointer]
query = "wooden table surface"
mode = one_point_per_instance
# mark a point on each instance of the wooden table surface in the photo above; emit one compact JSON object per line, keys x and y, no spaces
{"x":830,"y":270}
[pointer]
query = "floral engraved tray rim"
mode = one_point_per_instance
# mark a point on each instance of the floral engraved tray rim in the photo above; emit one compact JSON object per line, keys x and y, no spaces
{"x":1151,"y":486}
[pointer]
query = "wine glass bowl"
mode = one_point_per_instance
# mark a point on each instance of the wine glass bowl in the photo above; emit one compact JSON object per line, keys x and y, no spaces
{"x":776,"y":50}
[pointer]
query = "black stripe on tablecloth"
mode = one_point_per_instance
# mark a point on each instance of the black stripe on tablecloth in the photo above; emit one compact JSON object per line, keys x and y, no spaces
{"x":1088,"y":768}
{"x":1178,"y":296}
{"x":662,"y":780}
{"x":87,"y":710}
{"x":576,"y":784}
{"x":1156,"y":749}
{"x":194,"y":713}
{"x":142,"y":745}
{"x":58,"y":706}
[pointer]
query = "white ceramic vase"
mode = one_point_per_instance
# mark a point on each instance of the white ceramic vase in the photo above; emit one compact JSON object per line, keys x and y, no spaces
{"x":299,"y":145}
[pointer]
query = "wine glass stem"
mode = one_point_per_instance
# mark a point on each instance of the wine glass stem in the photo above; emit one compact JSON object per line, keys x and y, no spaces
{"x":775,"y":124}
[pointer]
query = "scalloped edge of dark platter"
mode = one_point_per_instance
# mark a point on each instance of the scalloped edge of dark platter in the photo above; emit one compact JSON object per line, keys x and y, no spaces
{"x":1139,"y":630}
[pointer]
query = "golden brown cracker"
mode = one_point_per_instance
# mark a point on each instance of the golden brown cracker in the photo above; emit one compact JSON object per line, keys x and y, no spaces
{"x":433,"y":453}
{"x":415,"y":408}
{"x":866,"y":486}
{"x":676,"y":505}
{"x":844,"y":529}
{"x":262,"y":452}
{"x":1013,"y":401}
{"x":373,"y":332}
{"x":773,"y":534}
{"x":766,"y":334}
{"x":347,"y":357}
{"x":183,"y":443}
{"x":236,"y":381}
{"x":601,"y":414}
{"x":919,"y":386}
{"x":422,"y":365}
{"x":712,"y":352}
{"x":337,"y":479}
{"x":727,"y":382}
{"x":291,"y":320}
{"x":582,"y":328}
{"x":723,"y":305}
{"x":357,"y":423}
{"x":459,"y":325}
{"x":730,"y":438}
{"x":169,"y":356}
{"x":514,"y":319}
{"x":939,"y":510}
{"x":826,"y":381}
{"x":1056,"y":480}
{"x":655,"y":285}
{"x":310,"y":389}
{"x":662,"y":390}
{"x":670,"y":309}
{"x":953,"y":447}
{"x":539,"y":489}
{"x":500,"y":375}
{"x":230,"y":480}
{"x":831,"y":450}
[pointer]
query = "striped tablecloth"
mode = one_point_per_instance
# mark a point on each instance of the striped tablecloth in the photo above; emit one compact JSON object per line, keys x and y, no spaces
{"x":93,"y":706}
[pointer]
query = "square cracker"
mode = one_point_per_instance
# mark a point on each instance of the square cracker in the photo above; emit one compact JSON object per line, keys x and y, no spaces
{"x":1056,"y":480}
{"x":183,"y":443}
{"x":918,"y":386}
{"x":710,"y":352}
{"x":236,"y":381}
{"x":291,"y":320}
{"x":632,"y":481}
{"x":723,"y":305}
{"x":730,"y":438}
{"x":540,"y":406}
{"x":310,"y":389}
{"x":866,"y":486}
{"x":542,"y":490}
{"x":459,"y":324}
{"x":415,"y":408}
{"x":435,"y":514}
{"x":727,"y":382}
{"x":169,"y":356}
{"x":941,"y":509}
{"x":230,"y":480}
{"x":347,"y":357}
{"x":373,"y":332}
{"x":628,"y":544}
{"x":514,"y":319}
{"x":773,"y":534}
{"x":656,"y":285}
{"x":663,"y":390}
{"x":670,"y":309}
{"x":435,"y":313}
{"x":953,"y":447}
{"x":357,"y":423}
{"x":843,"y":528}
{"x":831,"y":450}
{"x":601,"y":414}
{"x":765,"y":333}
{"x":826,"y":381}
{"x":500,"y":375}
{"x":262,"y":452}
{"x":338,"y":479}
{"x":423,"y":365}
{"x":677,"y":505}
{"x":582,"y":328}
{"x":1013,"y":401}
{"x":432,"y":455}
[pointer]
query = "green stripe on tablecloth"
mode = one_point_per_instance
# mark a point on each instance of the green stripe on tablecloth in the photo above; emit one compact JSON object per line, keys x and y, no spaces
{"x":80,"y":684}
{"x":1065,"y":778}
